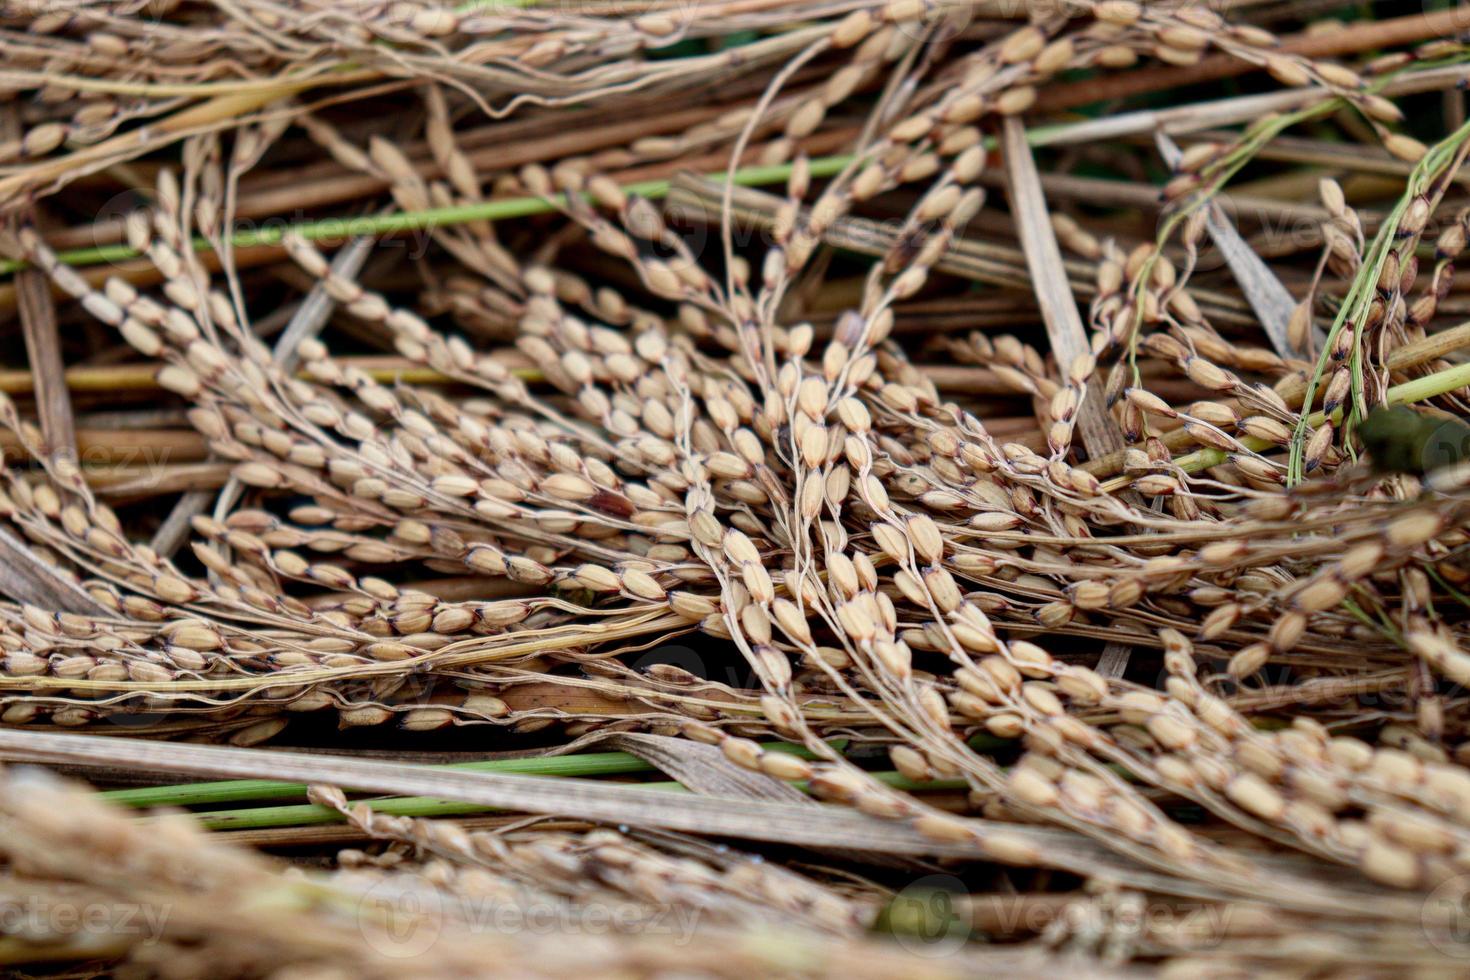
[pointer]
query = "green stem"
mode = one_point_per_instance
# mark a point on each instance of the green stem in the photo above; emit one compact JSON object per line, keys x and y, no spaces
{"x":591,"y":764}
{"x":1414,"y":390}
{"x":1217,"y":174}
{"x":310,"y":814}
{"x":1355,"y":305}
{"x":234,"y":790}
{"x":341,"y":229}
{"x":1429,"y":386}
{"x":1458,"y":596}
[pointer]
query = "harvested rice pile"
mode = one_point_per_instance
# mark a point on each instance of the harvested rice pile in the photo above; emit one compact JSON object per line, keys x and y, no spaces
{"x":734,"y":487}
